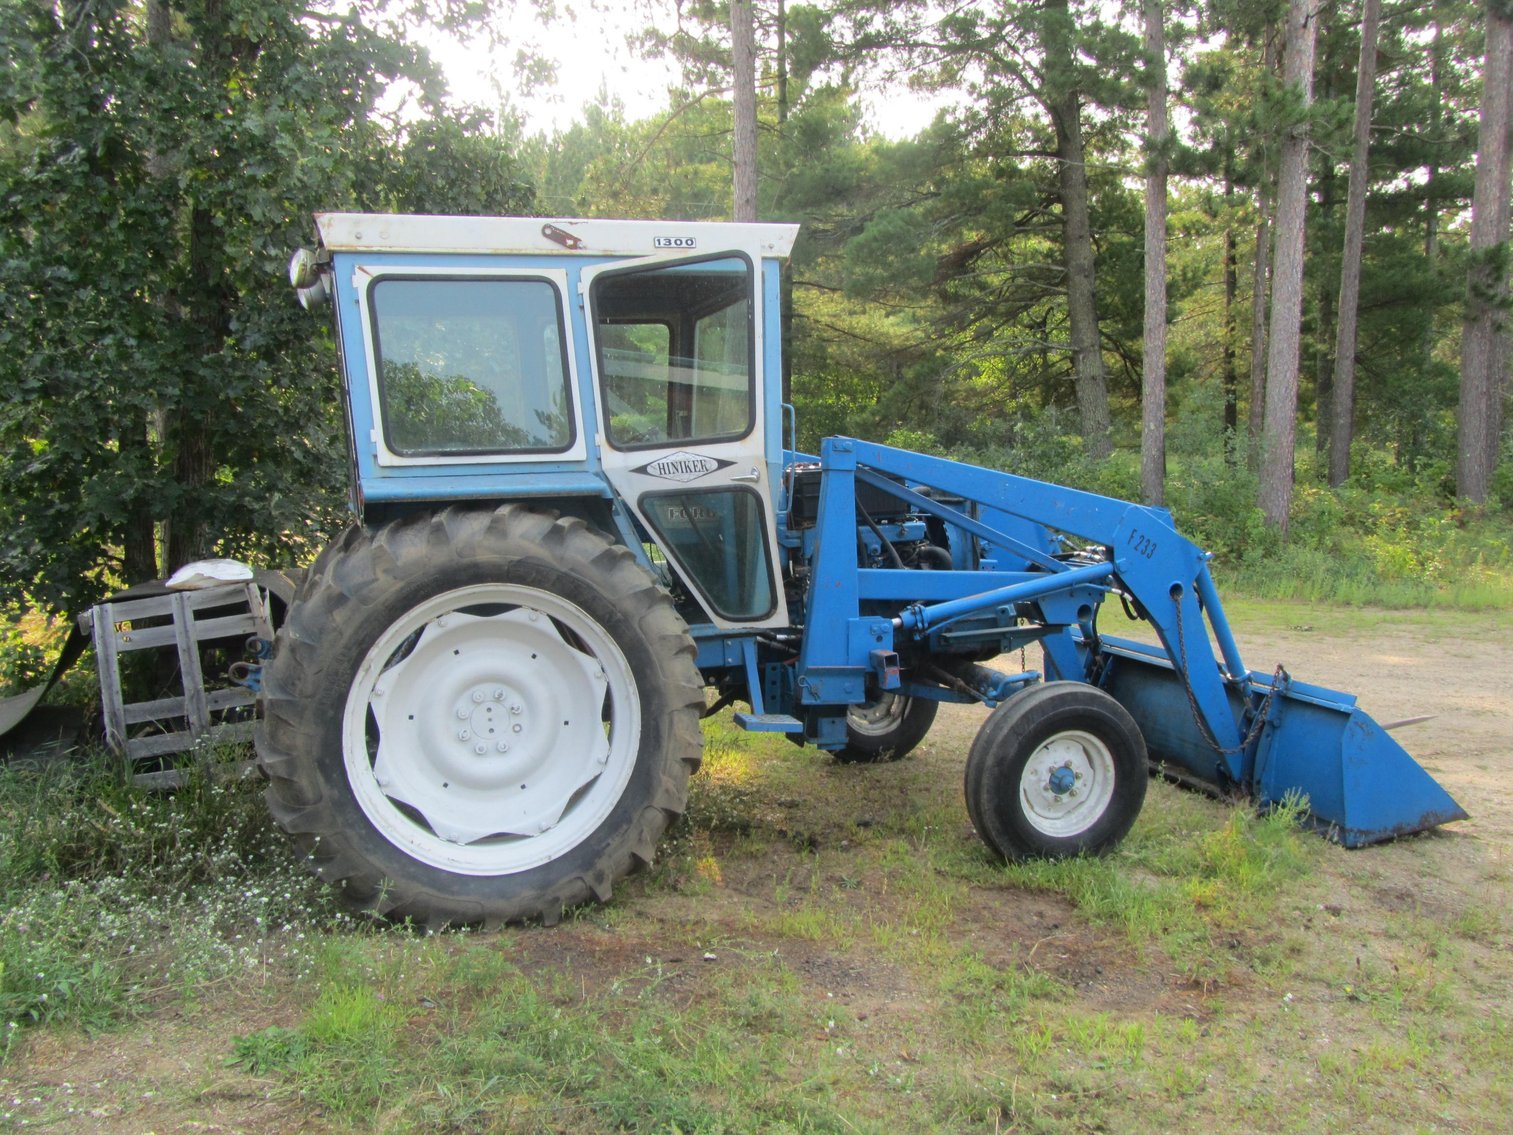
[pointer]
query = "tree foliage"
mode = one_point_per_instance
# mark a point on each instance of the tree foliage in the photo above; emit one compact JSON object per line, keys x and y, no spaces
{"x":163,"y":396}
{"x":933,"y":279}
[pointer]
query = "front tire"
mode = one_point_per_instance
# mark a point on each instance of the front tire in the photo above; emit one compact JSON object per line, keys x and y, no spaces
{"x":887,"y":728}
{"x":479,"y":716}
{"x":1056,"y":771}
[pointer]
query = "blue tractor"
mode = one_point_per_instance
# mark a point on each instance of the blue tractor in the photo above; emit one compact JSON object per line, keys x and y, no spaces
{"x":581,"y":524}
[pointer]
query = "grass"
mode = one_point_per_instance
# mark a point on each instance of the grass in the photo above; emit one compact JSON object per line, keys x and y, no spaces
{"x":821,"y":948}
{"x":115,"y":900}
{"x":1388,"y":538}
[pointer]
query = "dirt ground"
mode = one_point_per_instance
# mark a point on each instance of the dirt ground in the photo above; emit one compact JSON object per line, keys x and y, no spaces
{"x":167,"y":1073}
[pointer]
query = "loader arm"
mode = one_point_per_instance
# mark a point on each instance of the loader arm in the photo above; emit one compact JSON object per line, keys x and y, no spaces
{"x":1044,"y":558}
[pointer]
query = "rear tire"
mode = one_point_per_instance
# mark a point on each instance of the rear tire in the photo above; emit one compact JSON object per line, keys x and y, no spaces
{"x":887,"y":728}
{"x":1056,"y":771}
{"x":479,"y":716}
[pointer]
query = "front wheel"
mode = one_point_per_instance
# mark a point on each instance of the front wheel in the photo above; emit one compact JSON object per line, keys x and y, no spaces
{"x":479,"y":716}
{"x":1056,"y":771}
{"x":887,"y":728}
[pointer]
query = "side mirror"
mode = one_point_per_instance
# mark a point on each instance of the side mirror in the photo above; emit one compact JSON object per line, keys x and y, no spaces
{"x":303,"y":270}
{"x":309,"y":281}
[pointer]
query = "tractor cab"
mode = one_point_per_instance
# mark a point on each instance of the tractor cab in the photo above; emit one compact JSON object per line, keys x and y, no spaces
{"x":623,"y":371}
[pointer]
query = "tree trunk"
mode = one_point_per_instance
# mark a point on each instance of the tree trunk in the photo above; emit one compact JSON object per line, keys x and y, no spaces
{"x":1260,"y":297}
{"x":207,"y":305}
{"x":786,"y":295}
{"x":1280,"y":424}
{"x":1231,"y":377}
{"x":1065,"y":107}
{"x":1409,"y":433}
{"x":1260,"y":300}
{"x":207,"y":301}
{"x":1483,"y":353}
{"x":743,"y":52}
{"x":1342,"y":412}
{"x":1153,"y":380}
{"x":139,"y":542}
{"x":1323,"y":373}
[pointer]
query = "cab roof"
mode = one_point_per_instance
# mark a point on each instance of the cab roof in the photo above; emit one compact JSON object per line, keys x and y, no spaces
{"x":401,"y":232}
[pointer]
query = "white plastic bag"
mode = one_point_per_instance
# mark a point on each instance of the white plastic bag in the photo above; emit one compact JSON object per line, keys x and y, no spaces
{"x":209,"y":573}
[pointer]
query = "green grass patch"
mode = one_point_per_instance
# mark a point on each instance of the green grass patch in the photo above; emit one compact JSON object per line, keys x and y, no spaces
{"x":532,"y":1053}
{"x":115,"y":899}
{"x":1181,"y":889}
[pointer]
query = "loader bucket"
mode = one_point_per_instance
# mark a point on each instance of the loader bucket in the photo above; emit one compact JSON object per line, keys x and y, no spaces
{"x":1361,"y":786}
{"x":1360,"y":783}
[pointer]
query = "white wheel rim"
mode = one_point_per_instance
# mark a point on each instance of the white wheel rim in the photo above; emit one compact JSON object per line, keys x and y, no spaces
{"x":491,"y":729}
{"x":1067,"y":784}
{"x":879,"y":717}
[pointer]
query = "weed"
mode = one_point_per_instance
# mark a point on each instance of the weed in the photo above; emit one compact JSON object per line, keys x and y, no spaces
{"x":274,"y":1049}
{"x":1486,"y":924}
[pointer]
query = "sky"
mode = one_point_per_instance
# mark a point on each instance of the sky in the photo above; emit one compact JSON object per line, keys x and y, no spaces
{"x":591,"y":53}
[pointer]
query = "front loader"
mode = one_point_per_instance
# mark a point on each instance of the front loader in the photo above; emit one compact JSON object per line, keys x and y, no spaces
{"x":579,"y":527}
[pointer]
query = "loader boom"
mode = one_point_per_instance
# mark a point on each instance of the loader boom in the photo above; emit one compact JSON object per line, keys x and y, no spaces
{"x":1208,"y":719}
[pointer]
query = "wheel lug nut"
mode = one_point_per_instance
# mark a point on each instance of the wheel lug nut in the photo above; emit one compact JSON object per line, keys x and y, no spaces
{"x":462,"y":713}
{"x":477,"y":697}
{"x":503,"y":746}
{"x":480,"y":748}
{"x":517,"y":727}
{"x":498,"y":693}
{"x":464,"y":735}
{"x":517,"y":708}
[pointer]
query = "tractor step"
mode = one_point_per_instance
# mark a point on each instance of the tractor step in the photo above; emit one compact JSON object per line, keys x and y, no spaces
{"x":769,"y":723}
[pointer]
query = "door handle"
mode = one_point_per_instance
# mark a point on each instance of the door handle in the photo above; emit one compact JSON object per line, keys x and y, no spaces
{"x":751,"y":477}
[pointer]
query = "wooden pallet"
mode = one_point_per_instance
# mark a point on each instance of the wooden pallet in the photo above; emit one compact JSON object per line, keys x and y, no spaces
{"x":187,"y":624}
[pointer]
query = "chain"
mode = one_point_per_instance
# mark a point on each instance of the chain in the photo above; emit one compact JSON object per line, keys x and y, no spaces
{"x":1262,"y":711}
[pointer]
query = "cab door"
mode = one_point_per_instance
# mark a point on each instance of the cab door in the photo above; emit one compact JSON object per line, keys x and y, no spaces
{"x":676,"y":350}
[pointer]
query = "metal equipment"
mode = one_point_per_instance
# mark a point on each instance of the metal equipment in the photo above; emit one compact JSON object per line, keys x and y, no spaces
{"x":575,"y":512}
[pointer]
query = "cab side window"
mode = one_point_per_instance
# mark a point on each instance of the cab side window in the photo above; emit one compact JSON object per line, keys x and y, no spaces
{"x":470,"y":365}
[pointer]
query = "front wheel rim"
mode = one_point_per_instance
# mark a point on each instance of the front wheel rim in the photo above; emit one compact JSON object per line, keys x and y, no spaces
{"x":1067,"y":784}
{"x":879,"y":717}
{"x":491,"y":729}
